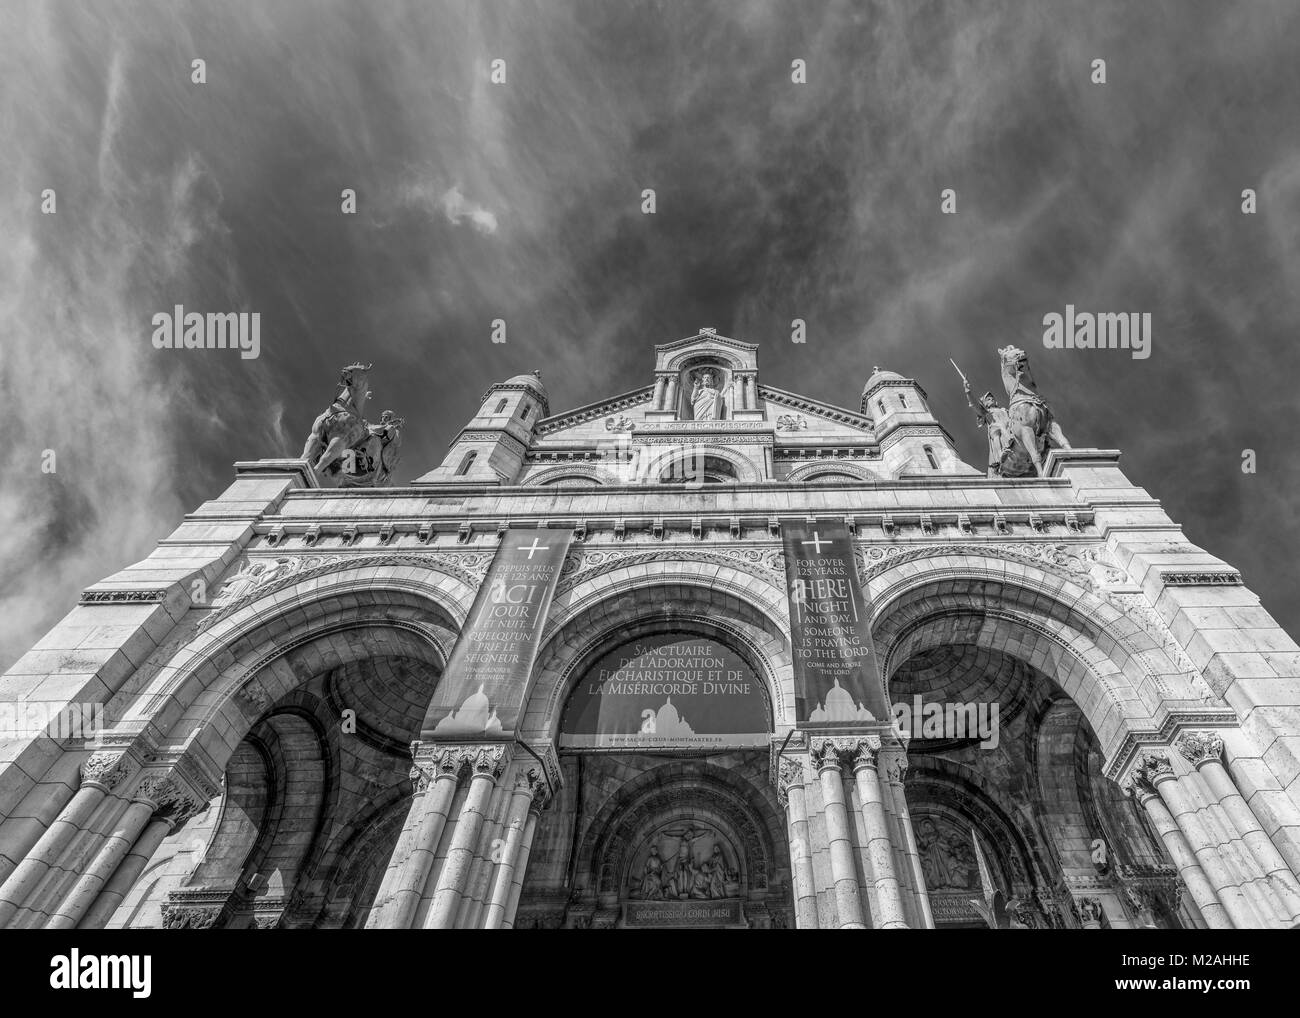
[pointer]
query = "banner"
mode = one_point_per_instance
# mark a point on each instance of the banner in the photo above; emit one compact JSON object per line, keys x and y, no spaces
{"x":672,"y":690}
{"x":837,"y":681}
{"x":481,"y":694}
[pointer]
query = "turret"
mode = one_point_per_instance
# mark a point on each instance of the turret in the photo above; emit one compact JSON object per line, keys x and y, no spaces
{"x":911,"y":440}
{"x":490,"y":448}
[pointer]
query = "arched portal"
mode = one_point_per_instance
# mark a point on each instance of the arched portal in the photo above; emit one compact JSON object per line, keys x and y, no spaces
{"x":1009,"y":690}
{"x":661,"y":699}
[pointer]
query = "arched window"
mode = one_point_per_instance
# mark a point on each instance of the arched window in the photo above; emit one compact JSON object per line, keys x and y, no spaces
{"x":523,"y":416}
{"x":881,"y":403}
{"x":467,"y":462}
{"x":929,"y":454}
{"x":501,"y":406}
{"x":902,"y":400}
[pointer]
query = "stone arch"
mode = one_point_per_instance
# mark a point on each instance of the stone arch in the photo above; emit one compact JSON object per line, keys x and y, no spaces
{"x":596,"y":475}
{"x":1094,"y":652}
{"x":746,"y":809}
{"x":674,"y":458}
{"x":338,"y":617}
{"x":831,"y":470}
{"x":686,"y":358}
{"x":968,"y":792}
{"x":596,"y":612}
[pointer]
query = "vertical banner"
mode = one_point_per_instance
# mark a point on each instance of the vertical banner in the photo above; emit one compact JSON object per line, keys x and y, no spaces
{"x":481,"y":695}
{"x":837,"y":681}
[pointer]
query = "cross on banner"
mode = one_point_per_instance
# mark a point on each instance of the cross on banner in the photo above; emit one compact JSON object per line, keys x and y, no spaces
{"x":530,"y":548}
{"x":817,"y":542}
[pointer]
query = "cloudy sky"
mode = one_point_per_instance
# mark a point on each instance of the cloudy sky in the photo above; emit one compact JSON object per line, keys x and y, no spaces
{"x":521,"y":201}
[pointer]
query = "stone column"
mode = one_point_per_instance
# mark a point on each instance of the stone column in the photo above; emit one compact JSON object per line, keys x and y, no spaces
{"x":487,"y":858}
{"x":488,"y":763}
{"x":661,"y":389}
{"x":1180,"y":853}
{"x":670,"y":400}
{"x":435,"y":776}
{"x":826,"y":757}
{"x":521,"y":866}
{"x":895,"y":771}
{"x":155,"y":792}
{"x":529,"y":791}
{"x":879,"y":846}
{"x":99,"y":775}
{"x":170,"y":816}
{"x":791,"y":778}
{"x":1204,"y":751}
{"x":1156,"y":771}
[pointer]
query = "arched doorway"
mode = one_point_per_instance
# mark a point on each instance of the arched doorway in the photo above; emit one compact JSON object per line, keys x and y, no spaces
{"x":661,"y":703}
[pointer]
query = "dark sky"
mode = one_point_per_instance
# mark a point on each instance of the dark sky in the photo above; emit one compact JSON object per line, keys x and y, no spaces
{"x":521,"y":201}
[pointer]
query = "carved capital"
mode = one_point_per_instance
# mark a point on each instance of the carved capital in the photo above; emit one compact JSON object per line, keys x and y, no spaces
{"x":839,"y":751}
{"x":895,"y":767}
{"x":1150,"y":771}
{"x":1200,"y":748}
{"x":527,"y":780}
{"x":489,"y":759}
{"x":866,"y":752}
{"x":791,"y":774}
{"x":106,"y":770}
{"x":170,"y":798}
{"x":1090,"y":910}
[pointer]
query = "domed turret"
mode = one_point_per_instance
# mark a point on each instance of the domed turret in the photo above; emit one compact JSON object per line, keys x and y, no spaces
{"x":532,"y":381}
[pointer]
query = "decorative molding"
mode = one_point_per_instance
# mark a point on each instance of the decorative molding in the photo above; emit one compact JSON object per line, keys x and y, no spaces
{"x":468,"y":567}
{"x":549,"y":425}
{"x":815,"y":407}
{"x":581,"y":565}
{"x":123,"y":596}
{"x":1205,"y":578}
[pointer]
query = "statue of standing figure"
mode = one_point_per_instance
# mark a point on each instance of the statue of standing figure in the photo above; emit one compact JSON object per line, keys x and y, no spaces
{"x":704,"y":397}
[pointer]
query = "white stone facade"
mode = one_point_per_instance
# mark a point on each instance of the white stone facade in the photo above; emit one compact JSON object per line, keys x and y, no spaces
{"x":1148,"y":771}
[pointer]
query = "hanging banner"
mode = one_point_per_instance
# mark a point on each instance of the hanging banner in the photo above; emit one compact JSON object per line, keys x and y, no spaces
{"x":837,"y":680}
{"x":669,"y":691}
{"x":481,"y":694}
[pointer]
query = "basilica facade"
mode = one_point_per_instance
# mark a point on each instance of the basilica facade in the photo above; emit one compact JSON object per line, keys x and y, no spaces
{"x":706,"y":653}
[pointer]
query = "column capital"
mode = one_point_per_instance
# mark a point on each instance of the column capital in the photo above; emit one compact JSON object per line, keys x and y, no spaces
{"x":107,"y":770}
{"x":1089,"y":910}
{"x":837,"y":751}
{"x":894,"y":762}
{"x":791,"y":773}
{"x":1150,"y":770}
{"x":169,"y":797}
{"x":1199,"y":748}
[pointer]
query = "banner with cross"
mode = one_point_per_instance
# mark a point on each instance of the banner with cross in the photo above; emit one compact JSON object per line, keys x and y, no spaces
{"x":481,"y":694}
{"x":837,"y":682}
